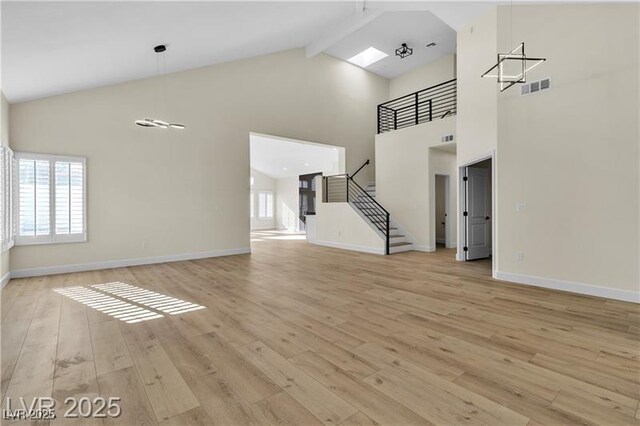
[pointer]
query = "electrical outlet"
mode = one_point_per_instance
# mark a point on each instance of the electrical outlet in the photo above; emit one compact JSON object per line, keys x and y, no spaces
{"x":145,"y":244}
{"x":519,"y":256}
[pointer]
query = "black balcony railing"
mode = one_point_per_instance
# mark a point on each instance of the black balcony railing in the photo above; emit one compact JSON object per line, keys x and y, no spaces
{"x":425,"y":105}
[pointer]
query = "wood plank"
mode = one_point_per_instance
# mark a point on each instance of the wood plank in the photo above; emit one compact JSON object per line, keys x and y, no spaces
{"x":110,"y":350}
{"x":324,"y":404}
{"x":590,"y":412}
{"x":134,"y":404}
{"x":439,"y":400}
{"x":168,"y":393}
{"x":246,"y":379}
{"x":359,"y":419}
{"x":374,"y":404}
{"x":220,"y":401}
{"x":282,"y":409}
{"x":196,"y":417}
{"x":33,"y":374}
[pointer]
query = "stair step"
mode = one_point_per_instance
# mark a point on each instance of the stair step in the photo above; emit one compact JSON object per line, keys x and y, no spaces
{"x":396,"y":236}
{"x":403,"y":243}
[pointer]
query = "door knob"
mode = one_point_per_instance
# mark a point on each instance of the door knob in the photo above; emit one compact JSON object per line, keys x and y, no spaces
{"x":487,"y":218}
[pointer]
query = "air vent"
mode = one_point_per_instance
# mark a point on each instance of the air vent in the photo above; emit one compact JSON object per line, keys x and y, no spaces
{"x":535,"y":86}
{"x":545,"y":84}
{"x":447,"y":138}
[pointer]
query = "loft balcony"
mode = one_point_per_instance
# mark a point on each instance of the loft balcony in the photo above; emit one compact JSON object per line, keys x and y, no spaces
{"x":423,"y":106}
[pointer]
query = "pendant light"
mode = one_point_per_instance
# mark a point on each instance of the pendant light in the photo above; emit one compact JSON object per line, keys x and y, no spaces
{"x":152,"y":122}
{"x":404,"y":51}
{"x":516,"y":61}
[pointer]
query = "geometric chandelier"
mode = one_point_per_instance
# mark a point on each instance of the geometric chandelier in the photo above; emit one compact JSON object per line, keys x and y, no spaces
{"x":151,"y":122}
{"x":403,"y":51}
{"x":512,"y":67}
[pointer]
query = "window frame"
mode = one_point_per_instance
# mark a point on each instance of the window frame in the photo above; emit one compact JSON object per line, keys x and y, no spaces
{"x":252,"y":204}
{"x":267,"y":193}
{"x":52,"y":237}
{"x":7,"y":181}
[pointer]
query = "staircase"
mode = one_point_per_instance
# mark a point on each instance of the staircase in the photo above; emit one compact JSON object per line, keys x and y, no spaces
{"x":342,"y":188}
{"x":398,"y":242}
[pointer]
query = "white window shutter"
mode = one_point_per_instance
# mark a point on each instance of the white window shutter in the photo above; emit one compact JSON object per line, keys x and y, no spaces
{"x":51,"y":199}
{"x":6,"y":198}
{"x":4,"y":195}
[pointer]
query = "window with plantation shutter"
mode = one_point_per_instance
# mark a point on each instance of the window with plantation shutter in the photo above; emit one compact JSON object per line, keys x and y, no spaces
{"x":51,"y":199}
{"x":6,"y":198}
{"x":265,"y":205}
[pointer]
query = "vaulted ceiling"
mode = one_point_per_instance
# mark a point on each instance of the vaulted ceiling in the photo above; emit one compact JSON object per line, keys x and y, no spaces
{"x":53,"y":47}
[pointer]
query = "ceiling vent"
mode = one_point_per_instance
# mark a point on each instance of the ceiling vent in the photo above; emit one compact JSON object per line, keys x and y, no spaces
{"x":535,"y":86}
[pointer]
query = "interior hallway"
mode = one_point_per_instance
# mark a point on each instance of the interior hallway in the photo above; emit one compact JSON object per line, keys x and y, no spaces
{"x":302,"y":334}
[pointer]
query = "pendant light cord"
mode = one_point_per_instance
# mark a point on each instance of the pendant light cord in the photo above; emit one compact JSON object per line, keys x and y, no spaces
{"x":511,"y":30}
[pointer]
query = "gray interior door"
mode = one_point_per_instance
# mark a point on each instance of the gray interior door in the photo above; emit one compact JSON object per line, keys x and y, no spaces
{"x":478,"y":211}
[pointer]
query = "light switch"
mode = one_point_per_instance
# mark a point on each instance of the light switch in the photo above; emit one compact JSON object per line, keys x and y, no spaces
{"x":520,"y":207}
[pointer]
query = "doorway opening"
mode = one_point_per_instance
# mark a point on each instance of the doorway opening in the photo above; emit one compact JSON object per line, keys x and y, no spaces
{"x":307,"y":198}
{"x":477,"y":200}
{"x":442,"y":222}
{"x":282,"y":188}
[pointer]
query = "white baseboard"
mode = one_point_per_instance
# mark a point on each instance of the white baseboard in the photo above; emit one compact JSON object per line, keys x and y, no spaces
{"x":428,"y":249}
{"x":345,"y":246}
{"x":109,"y":264}
{"x":4,"y":280}
{"x":569,"y":286}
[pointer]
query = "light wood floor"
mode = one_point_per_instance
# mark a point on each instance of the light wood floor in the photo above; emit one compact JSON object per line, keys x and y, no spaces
{"x":304,"y":335}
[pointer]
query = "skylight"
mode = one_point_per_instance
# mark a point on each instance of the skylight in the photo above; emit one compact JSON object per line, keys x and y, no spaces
{"x":367,"y":57}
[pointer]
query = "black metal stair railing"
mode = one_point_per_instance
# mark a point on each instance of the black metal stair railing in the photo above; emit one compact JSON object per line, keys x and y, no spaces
{"x":423,"y":106}
{"x":342,"y":188}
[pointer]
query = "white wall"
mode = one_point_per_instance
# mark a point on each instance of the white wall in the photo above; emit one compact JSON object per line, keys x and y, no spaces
{"x":339,"y":225}
{"x":287,"y":203}
{"x":571,"y":154}
{"x":405,"y":181}
{"x":477,"y":120}
{"x":4,"y":140}
{"x":187,"y":192}
{"x":439,"y":71}
{"x":262,"y":182}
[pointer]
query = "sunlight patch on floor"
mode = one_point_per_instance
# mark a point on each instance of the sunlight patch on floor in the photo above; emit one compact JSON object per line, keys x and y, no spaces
{"x":126,"y":302}
{"x":160,"y":302}
{"x":278,"y":235}
{"x":106,"y":304}
{"x":286,"y":237}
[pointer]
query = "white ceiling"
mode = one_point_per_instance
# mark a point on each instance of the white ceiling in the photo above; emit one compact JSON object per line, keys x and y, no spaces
{"x":389,"y":31}
{"x":280,"y":158}
{"x":51,"y":47}
{"x":56,"y":47}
